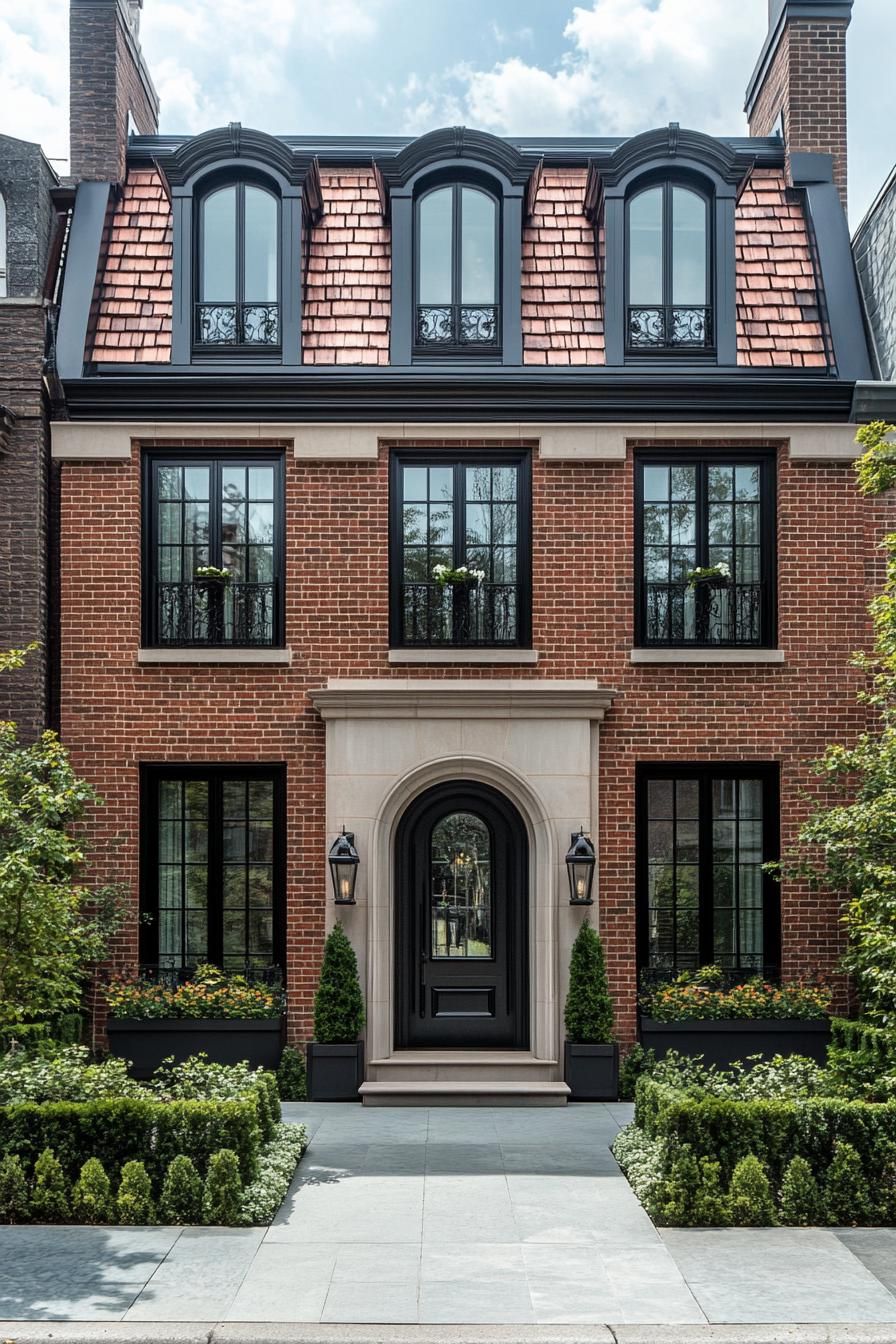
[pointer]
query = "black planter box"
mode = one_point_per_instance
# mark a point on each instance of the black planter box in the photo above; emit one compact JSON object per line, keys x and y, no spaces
{"x":259,"y":1041}
{"x":591,"y":1071}
{"x":335,"y":1072}
{"x":722,"y":1043}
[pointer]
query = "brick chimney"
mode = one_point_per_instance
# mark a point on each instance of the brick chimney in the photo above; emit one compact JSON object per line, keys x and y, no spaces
{"x":798,"y":87}
{"x":110,"y":86}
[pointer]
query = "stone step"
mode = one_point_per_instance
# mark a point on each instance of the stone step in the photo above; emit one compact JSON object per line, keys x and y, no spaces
{"x":456,"y":1066}
{"x":487,"y":1092}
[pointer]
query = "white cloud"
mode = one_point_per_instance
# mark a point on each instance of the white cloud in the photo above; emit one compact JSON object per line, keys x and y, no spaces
{"x":631,"y":64}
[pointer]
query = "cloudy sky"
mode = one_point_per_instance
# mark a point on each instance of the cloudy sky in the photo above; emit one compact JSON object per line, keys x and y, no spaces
{"x":511,"y":66}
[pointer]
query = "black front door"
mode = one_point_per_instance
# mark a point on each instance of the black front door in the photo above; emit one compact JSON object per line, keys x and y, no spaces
{"x":461,"y":935}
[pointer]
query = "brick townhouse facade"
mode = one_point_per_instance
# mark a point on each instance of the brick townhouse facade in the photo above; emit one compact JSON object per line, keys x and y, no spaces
{"x":583,"y":367}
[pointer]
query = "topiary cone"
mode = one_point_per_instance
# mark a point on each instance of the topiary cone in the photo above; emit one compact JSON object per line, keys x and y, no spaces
{"x":338,"y":1003}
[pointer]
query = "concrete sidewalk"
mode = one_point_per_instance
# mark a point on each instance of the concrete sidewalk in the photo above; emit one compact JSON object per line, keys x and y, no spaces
{"x":448,"y":1217}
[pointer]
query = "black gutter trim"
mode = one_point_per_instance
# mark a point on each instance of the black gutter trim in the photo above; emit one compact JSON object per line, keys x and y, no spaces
{"x":498,"y":394}
{"x":874,"y":401}
{"x":82,"y":259}
{"x":558,"y":151}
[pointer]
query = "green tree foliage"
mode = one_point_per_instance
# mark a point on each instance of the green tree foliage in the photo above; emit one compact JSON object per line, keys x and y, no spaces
{"x":181,"y":1200}
{"x":13,"y":1190}
{"x":292,"y":1082}
{"x":801,"y":1204}
{"x":589,"y":1008}
{"x":49,"y":1192}
{"x":92,"y":1194}
{"x":849,"y":843}
{"x":846,"y":1194}
{"x":223,"y":1188}
{"x":750,"y":1195}
{"x":51,"y":928}
{"x":133,"y":1203}
{"x":338,"y":1003}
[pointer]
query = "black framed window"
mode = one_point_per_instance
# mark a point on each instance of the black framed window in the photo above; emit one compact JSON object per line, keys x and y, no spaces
{"x":473,"y":511}
{"x":237,"y":270}
{"x":703,"y":834}
{"x":212,"y":868}
{"x":669,"y":270}
{"x":701,"y":510}
{"x":223,"y":512}
{"x":457,"y":271}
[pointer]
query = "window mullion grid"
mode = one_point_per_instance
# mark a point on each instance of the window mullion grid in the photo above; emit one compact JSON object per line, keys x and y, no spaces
{"x":705,"y":928}
{"x":667,"y":259}
{"x":459,"y":593}
{"x":675,"y":891}
{"x":456,"y":260}
{"x":702,"y":595}
{"x":240,"y":259}
{"x":735,"y":864}
{"x":246,"y":852}
{"x":214,"y":905}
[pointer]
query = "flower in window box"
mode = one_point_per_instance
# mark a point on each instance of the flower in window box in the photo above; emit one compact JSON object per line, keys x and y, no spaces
{"x":211,"y":574}
{"x":444,"y":574}
{"x":709,"y":576}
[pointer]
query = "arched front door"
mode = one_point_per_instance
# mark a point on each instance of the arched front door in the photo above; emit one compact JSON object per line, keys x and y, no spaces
{"x":461,"y":921}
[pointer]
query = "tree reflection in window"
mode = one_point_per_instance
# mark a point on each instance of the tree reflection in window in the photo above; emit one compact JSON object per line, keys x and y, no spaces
{"x":461,"y":887}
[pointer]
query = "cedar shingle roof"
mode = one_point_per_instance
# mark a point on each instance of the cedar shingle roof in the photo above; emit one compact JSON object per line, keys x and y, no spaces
{"x":346,"y":301}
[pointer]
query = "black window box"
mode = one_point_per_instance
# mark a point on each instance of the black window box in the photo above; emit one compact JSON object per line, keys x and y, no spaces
{"x":258,"y":1041}
{"x":591,"y":1071}
{"x":721,"y":1043}
{"x":335,"y":1072}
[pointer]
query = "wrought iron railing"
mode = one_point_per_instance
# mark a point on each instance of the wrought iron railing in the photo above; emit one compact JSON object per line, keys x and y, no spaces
{"x":677,"y":614}
{"x":445,"y":325}
{"x":212,"y":613}
{"x":670,"y":328}
{"x":238,"y":323}
{"x":462,"y":615}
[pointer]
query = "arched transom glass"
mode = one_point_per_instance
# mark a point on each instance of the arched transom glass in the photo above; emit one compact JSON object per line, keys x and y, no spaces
{"x":238,"y":287}
{"x":461,"y":887}
{"x":669,"y":300}
{"x":457,"y":269}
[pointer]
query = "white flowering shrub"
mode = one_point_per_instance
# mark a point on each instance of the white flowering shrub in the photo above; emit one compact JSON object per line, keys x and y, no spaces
{"x":277,"y":1163}
{"x":66,"y":1076}
{"x":643,"y":1161}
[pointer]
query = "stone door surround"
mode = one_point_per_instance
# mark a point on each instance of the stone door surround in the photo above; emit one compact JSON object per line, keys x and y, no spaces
{"x":536,"y":741}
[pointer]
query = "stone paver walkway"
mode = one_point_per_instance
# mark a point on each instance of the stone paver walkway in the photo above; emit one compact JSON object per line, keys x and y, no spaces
{"x":452,"y":1216}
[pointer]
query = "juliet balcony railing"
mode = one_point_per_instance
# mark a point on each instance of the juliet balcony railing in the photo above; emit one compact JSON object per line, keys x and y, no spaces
{"x":446,"y":326}
{"x":679,"y":615}
{"x":460,"y":615}
{"x":195,"y":615}
{"x":255,"y":324}
{"x":670,"y":328}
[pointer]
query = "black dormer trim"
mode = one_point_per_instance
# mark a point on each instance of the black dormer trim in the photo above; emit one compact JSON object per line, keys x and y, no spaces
{"x":240,"y":152}
{"x":718,"y":168}
{"x":455,"y":154}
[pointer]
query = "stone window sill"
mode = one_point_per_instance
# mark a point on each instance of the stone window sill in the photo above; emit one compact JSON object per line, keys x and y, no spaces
{"x":437,"y":657}
{"x":221,"y":657}
{"x":730,"y":657}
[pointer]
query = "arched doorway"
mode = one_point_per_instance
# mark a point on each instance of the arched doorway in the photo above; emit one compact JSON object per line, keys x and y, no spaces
{"x":461,"y":935}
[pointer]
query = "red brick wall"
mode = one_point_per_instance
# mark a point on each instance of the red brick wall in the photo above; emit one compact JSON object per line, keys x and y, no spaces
{"x":807,"y":79}
{"x":116,"y":714}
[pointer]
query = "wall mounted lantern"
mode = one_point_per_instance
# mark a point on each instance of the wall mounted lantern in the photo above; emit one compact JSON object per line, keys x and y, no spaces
{"x":580,"y":869}
{"x":343,"y":858}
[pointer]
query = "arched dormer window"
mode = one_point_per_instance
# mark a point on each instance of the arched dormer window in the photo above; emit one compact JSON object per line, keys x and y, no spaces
{"x":457,"y":280}
{"x":666,"y":201}
{"x":238,"y":276}
{"x":243,"y":204}
{"x":454,"y":199}
{"x":668,"y":269}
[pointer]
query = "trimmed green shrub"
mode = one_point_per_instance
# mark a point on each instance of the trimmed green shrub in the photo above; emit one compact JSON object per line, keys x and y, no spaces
{"x":588,"y":1014}
{"x":13,"y":1191}
{"x":800,"y":1199}
{"x":675,"y":1197}
{"x":846,"y":1195}
{"x":750,"y":1195}
{"x":92,"y":1194}
{"x":711,"y":1207}
{"x":292,"y":1082}
{"x":638,"y":1063}
{"x":49,"y":1192}
{"x":338,"y":1003}
{"x":133,"y":1204}
{"x":223,"y":1189}
{"x":181,"y":1200}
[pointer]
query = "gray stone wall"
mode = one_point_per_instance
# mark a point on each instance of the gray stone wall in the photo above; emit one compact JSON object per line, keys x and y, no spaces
{"x":874,"y":247}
